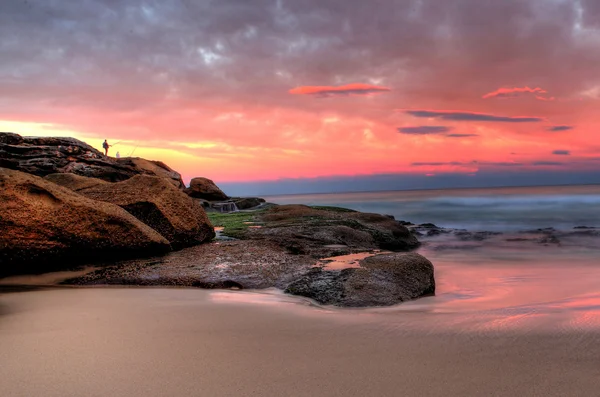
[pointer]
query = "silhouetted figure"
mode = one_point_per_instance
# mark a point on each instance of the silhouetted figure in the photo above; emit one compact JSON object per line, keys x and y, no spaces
{"x":105,"y":145}
{"x":118,"y":155}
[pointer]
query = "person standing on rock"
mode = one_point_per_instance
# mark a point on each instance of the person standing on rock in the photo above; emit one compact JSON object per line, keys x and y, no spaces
{"x":105,"y":145}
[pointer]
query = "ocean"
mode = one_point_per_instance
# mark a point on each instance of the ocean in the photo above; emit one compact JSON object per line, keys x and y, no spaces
{"x":493,"y":209}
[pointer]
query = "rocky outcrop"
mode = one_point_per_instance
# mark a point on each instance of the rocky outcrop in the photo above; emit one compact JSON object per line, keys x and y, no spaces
{"x":42,"y":156}
{"x":156,"y":168}
{"x":45,"y":226}
{"x":244,"y":203}
{"x":381,"y":280}
{"x":8,"y":138}
{"x":321,"y":231}
{"x":204,"y":188}
{"x":154,"y":201}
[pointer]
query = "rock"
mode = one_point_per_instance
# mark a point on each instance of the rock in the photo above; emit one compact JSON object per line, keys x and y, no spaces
{"x":156,"y":168}
{"x":244,"y":203}
{"x":381,"y":280}
{"x":74,"y":182}
{"x":154,"y":201}
{"x":42,"y":156}
{"x":48,"y":155}
{"x":549,"y":239}
{"x":204,"y":188}
{"x":10,"y":139}
{"x":464,"y":235}
{"x":305,"y":230}
{"x":45,"y":227}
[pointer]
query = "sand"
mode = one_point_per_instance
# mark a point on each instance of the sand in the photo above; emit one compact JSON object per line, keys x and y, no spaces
{"x":187,"y":342}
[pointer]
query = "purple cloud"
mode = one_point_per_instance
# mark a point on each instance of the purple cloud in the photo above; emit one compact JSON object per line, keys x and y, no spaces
{"x":468,"y":116}
{"x":556,"y":128}
{"x":424,"y":130}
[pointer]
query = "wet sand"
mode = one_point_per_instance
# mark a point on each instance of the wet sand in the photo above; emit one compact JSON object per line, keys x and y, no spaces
{"x":158,"y":342}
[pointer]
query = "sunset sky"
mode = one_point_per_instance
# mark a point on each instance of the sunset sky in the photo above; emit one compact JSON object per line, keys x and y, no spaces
{"x":315,"y":95}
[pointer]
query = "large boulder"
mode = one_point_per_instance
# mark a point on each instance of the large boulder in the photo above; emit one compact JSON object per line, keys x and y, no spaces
{"x":156,"y":168}
{"x":154,"y":201}
{"x":204,"y":188}
{"x":45,"y":226}
{"x":381,"y":280}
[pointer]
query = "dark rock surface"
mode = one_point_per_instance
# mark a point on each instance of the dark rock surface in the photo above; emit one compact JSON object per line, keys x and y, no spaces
{"x":42,"y":156}
{"x":45,"y":226}
{"x":244,"y":203}
{"x":238,"y":264}
{"x":204,"y":188}
{"x":10,"y":138}
{"x":381,"y":280}
{"x":154,"y":201}
{"x":305,"y":230}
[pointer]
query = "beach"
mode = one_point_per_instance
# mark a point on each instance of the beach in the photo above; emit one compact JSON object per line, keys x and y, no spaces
{"x":156,"y":342}
{"x":516,"y":312}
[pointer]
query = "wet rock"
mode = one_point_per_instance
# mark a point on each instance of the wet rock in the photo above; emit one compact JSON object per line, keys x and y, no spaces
{"x":204,"y":188}
{"x":45,"y":227}
{"x":475,"y":236}
{"x":154,"y":201}
{"x":550,"y":239}
{"x":517,"y":239}
{"x":436,"y":232}
{"x":381,"y":280}
{"x":224,"y":264}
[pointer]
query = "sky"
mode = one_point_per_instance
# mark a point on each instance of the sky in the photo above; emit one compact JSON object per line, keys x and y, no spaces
{"x":287,"y":96}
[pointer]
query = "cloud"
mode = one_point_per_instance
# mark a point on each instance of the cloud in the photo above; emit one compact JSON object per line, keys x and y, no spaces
{"x":164,"y":72}
{"x":342,"y":90}
{"x":438,"y":163}
{"x":560,"y":128}
{"x":562,"y":152}
{"x":469,"y":116}
{"x":461,"y":135}
{"x":547,"y":163}
{"x":507,"y":92}
{"x":424,"y":130}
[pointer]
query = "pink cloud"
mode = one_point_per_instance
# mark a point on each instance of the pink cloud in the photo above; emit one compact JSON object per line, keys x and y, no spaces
{"x":508,"y":92}
{"x":342,"y":90}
